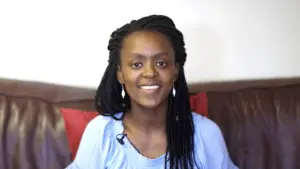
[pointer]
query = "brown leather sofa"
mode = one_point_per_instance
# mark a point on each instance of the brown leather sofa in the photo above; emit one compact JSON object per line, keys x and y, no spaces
{"x":260,"y":121}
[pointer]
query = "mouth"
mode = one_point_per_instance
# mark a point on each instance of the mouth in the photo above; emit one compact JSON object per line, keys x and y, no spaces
{"x":150,"y":88}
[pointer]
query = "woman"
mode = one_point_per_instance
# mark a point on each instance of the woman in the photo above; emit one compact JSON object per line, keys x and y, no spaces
{"x":146,"y":120}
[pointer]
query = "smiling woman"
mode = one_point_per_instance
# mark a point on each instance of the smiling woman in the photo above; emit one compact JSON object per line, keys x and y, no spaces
{"x":146,"y":120}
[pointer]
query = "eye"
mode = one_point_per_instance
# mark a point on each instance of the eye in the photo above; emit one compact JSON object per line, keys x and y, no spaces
{"x":161,"y":64}
{"x":136,"y":65}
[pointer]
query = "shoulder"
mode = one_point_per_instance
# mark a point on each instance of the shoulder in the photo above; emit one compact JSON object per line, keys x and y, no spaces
{"x":207,"y":132}
{"x":210,"y":144}
{"x":205,"y":127}
{"x":99,"y":129}
{"x":96,"y":142}
{"x":99,"y":123}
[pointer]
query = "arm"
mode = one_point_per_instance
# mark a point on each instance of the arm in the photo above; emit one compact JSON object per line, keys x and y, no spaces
{"x":88,"y":155}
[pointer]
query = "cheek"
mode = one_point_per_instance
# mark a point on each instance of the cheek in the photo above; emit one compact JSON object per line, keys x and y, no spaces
{"x":169,"y":77}
{"x":130,"y":80}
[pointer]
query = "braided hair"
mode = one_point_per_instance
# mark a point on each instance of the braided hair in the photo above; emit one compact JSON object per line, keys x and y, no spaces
{"x":179,"y":124}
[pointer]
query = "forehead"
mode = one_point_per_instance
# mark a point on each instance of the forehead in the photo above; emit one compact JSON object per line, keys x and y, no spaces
{"x":146,"y":43}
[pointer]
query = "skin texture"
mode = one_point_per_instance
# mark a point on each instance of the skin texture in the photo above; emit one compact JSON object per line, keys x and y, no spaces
{"x":147,"y":57}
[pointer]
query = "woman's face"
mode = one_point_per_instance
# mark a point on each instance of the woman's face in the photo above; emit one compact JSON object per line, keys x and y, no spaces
{"x":147,"y":68}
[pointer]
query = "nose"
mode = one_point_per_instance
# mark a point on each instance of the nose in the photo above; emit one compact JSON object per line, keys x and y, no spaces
{"x":149,"y":71}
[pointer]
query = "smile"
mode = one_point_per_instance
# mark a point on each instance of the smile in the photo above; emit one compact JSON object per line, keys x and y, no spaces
{"x":150,"y":88}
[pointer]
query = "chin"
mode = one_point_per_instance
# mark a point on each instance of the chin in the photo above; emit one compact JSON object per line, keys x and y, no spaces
{"x":151,"y":103}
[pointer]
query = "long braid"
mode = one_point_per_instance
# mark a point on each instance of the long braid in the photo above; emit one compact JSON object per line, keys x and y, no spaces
{"x":108,"y":99}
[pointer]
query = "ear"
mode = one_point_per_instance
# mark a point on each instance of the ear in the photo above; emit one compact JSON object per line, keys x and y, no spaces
{"x":120,"y":75}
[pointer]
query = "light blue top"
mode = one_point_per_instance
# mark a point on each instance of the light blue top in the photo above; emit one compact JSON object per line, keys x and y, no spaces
{"x":99,"y":148}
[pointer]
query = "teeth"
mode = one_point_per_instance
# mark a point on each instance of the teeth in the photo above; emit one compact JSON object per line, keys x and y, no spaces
{"x":150,"y":87}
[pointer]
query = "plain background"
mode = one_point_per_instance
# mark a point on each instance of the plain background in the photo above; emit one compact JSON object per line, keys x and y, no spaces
{"x":65,"y":41}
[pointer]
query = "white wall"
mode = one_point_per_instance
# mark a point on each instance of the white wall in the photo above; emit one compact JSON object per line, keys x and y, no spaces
{"x":65,"y":42}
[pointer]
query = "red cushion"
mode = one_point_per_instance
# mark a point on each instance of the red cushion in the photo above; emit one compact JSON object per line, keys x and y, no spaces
{"x":75,"y":123}
{"x":199,"y":103}
{"x":76,"y":120}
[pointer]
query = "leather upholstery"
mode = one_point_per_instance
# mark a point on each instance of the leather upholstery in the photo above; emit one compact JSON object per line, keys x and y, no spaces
{"x":32,"y":134}
{"x":261,"y":126}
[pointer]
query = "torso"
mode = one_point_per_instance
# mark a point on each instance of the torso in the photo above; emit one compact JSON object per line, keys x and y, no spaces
{"x":100,"y":149}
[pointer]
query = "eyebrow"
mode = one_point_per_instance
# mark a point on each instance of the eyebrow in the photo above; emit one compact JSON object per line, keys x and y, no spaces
{"x":157,"y":55}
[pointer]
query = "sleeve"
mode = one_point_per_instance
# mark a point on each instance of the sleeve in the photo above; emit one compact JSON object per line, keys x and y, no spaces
{"x":73,"y":165}
{"x":89,"y":152}
{"x":217,"y":153}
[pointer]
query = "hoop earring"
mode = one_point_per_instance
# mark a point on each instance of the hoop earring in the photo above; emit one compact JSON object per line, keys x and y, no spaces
{"x":123,"y":92}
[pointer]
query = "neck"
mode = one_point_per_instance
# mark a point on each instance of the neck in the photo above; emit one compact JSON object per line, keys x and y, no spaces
{"x":146,"y":120}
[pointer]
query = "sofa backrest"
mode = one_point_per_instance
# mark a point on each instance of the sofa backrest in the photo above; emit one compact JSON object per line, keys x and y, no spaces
{"x":60,"y":95}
